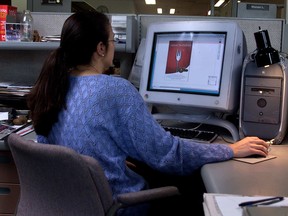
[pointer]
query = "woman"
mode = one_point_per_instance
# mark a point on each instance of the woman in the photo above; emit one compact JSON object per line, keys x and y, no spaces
{"x":75,"y":104}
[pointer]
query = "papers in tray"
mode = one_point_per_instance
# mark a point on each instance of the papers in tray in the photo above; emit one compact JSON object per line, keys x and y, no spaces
{"x":22,"y":130}
{"x":14,"y":89}
{"x":228,"y":204}
{"x":14,"y":94}
{"x":5,"y":130}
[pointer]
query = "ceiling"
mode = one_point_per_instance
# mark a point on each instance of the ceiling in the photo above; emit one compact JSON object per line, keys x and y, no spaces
{"x":183,"y":7}
{"x":189,"y":7}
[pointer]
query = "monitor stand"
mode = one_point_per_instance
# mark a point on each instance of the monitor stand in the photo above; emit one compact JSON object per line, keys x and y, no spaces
{"x":211,"y":120}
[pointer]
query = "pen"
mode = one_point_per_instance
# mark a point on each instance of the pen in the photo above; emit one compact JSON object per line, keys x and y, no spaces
{"x":266,"y":201}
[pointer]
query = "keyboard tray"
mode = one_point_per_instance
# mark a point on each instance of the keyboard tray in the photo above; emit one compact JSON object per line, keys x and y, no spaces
{"x":191,"y":134}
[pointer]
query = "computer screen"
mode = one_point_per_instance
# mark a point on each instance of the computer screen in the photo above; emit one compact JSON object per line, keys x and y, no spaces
{"x":195,"y":65}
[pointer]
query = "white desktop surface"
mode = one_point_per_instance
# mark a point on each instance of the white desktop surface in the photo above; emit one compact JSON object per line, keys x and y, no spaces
{"x":265,"y":178}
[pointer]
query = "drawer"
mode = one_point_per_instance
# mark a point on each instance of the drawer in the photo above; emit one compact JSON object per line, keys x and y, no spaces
{"x":9,"y":195}
{"x":8,"y":171}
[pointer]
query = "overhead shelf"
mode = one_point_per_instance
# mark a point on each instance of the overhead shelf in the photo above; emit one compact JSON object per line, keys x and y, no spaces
{"x":28,"y":45}
{"x":42,"y":46}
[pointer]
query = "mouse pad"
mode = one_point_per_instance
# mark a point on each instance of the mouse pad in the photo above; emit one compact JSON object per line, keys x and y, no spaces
{"x":253,"y":160}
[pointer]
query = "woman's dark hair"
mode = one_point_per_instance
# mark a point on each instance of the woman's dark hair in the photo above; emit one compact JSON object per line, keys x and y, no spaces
{"x":80,"y":35}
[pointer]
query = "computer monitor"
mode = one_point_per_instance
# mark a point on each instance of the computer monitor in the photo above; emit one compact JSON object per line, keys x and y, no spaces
{"x":193,"y":67}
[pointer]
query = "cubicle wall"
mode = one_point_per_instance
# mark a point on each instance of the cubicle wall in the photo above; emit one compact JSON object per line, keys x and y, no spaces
{"x":23,"y":63}
{"x":125,"y":24}
{"x":51,"y":23}
{"x":275,"y":27}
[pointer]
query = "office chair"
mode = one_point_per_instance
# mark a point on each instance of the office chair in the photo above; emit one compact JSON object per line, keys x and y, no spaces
{"x":55,"y":180}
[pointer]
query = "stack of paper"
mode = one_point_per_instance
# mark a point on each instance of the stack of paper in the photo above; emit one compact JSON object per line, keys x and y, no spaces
{"x":228,"y":205}
{"x":14,"y":94}
{"x":265,"y":211}
{"x":6,"y":130}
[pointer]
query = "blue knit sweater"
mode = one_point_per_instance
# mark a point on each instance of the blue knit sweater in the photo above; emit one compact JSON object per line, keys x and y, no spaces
{"x":106,"y":118}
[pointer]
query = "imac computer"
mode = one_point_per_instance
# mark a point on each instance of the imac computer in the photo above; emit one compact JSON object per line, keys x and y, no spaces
{"x":193,"y":68}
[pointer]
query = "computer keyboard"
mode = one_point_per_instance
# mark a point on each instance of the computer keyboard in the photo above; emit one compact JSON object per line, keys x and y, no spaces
{"x":192,"y":134}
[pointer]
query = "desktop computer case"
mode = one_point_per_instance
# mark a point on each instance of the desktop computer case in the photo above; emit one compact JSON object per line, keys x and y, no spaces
{"x":263,"y":101}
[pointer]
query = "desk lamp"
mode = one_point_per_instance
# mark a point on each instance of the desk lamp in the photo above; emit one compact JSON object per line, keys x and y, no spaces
{"x":263,"y":102}
{"x":265,"y":55}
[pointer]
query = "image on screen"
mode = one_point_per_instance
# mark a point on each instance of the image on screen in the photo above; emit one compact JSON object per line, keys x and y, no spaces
{"x":188,"y":62}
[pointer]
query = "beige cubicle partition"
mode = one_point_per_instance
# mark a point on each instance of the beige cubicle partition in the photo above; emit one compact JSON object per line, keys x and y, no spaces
{"x":249,"y":26}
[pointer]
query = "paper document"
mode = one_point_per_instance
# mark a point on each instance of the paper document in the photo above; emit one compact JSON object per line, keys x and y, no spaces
{"x":228,"y":205}
{"x":265,"y":211}
{"x":4,"y":116}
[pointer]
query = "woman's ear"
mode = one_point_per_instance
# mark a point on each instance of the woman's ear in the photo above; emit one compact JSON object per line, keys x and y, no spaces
{"x":101,"y":49}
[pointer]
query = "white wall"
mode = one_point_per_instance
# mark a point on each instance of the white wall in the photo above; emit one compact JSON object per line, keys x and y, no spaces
{"x":114,"y":6}
{"x":20,"y":4}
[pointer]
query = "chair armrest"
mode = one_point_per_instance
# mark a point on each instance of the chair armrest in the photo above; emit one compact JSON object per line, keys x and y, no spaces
{"x":147,"y":195}
{"x":132,"y":198}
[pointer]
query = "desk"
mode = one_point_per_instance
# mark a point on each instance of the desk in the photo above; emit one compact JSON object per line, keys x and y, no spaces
{"x":233,"y":177}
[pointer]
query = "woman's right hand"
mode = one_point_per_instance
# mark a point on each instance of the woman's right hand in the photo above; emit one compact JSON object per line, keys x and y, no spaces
{"x":250,"y":146}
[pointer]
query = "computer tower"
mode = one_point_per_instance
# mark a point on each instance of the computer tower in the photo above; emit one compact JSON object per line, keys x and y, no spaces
{"x":263,"y":103}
